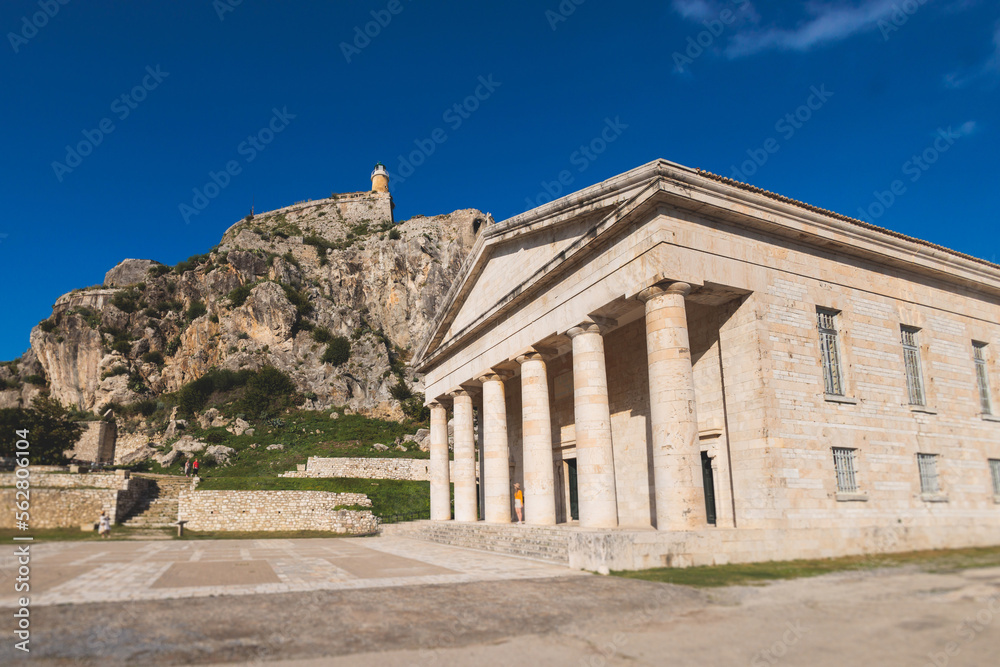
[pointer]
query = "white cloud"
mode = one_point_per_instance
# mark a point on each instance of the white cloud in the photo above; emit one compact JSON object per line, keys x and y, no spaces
{"x":967,"y":129}
{"x":990,"y":68}
{"x":697,"y":10}
{"x":828,"y":23}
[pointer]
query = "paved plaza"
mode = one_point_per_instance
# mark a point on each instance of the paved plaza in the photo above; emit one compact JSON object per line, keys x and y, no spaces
{"x":112,"y":571}
{"x":377,"y":602}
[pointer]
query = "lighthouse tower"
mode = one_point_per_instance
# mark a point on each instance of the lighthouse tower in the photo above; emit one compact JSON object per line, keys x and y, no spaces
{"x":380,"y":178}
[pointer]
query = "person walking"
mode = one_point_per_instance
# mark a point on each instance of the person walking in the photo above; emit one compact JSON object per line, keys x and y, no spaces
{"x":187,"y":467}
{"x":195,"y":467}
{"x":104,"y":526}
{"x":519,"y":503}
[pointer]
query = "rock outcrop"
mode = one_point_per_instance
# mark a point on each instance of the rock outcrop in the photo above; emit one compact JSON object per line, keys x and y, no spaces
{"x":276,"y":282}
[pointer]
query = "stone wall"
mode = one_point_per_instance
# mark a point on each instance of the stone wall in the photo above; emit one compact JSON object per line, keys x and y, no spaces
{"x":276,"y":510}
{"x":96,"y":443}
{"x":62,"y":500}
{"x":364,"y":468}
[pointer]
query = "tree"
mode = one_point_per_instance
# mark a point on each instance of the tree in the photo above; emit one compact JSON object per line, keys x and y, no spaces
{"x":50,"y":431}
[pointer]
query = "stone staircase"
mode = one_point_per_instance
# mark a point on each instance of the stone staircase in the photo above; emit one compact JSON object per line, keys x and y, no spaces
{"x":543,"y":543}
{"x":159,"y":506}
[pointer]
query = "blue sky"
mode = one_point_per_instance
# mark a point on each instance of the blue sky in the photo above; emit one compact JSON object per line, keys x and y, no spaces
{"x":835,"y":102}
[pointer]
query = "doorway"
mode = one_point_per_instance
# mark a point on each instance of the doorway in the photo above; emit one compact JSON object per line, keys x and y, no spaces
{"x":574,"y":498}
{"x":708,"y":481}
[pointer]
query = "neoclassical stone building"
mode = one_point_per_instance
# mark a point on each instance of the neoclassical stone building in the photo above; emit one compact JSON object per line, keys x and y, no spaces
{"x":683,"y":369}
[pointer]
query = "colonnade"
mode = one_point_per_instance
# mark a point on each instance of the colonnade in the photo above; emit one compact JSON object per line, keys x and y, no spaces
{"x":673,"y":415}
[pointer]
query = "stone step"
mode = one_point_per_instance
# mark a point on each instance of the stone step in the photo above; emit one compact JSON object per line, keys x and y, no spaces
{"x":537,"y":542}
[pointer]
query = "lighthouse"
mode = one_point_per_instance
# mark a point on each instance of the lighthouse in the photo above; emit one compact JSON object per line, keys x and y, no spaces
{"x":380,"y":178}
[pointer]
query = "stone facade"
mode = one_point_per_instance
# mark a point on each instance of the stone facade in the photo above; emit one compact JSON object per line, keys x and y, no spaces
{"x":417,"y":470}
{"x":276,"y":510}
{"x":96,"y":443}
{"x":62,"y":500}
{"x":676,"y":317}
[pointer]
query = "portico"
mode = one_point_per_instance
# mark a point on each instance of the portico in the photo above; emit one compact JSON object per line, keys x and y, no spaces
{"x":641,"y":356}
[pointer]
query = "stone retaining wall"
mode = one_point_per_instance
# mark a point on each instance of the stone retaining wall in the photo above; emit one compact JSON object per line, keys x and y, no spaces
{"x":64,"y":500}
{"x":41,"y":479}
{"x":417,"y":470}
{"x":276,"y":510}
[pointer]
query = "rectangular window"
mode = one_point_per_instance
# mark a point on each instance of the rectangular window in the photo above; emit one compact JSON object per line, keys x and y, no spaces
{"x":982,"y":378}
{"x":928,"y":473}
{"x":827,"y":321}
{"x":843,"y":461}
{"x":911,"y":357}
{"x":995,"y":471}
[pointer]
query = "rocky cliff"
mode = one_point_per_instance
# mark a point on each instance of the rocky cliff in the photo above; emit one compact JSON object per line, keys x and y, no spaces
{"x":276,"y":290}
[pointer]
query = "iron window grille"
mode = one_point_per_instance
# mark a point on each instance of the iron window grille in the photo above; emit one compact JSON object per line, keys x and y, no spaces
{"x":995,"y":471}
{"x":911,"y":358}
{"x":827,"y":322}
{"x":982,"y":378}
{"x":843,"y":461}
{"x":928,"y":473}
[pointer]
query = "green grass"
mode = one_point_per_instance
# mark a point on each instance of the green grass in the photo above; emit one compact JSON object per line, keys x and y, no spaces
{"x":304,"y":433}
{"x":941,"y":560}
{"x":388,"y":496}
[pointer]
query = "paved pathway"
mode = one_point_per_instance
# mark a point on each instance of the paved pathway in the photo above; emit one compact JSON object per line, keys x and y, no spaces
{"x":391,"y":601}
{"x":81,"y":572}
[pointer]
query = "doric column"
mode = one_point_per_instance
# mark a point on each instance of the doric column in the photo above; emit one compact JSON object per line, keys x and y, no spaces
{"x":496,"y":453}
{"x":673,"y":414}
{"x":595,"y":462}
{"x":536,"y":430}
{"x":465,"y":458}
{"x":439,"y":469}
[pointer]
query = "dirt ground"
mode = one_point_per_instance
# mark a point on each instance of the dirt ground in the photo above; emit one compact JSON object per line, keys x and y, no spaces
{"x":887,"y":617}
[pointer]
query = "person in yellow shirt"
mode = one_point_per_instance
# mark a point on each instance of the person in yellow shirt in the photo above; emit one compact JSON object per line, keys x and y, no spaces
{"x":518,"y":502}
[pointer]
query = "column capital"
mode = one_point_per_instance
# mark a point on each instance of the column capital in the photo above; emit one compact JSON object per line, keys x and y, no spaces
{"x":536,"y":353}
{"x":665,"y":287}
{"x":460,"y":392}
{"x":592,"y":324}
{"x":494,"y":375}
{"x":435,"y":404}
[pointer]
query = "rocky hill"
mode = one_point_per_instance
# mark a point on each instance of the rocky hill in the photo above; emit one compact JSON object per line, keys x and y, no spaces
{"x":330,"y":291}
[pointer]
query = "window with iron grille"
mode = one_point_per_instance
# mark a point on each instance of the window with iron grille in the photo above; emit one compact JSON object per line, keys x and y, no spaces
{"x":827,"y":321}
{"x":995,"y":471}
{"x":911,"y":357}
{"x":843,"y":461}
{"x":928,"y":473}
{"x":979,"y":355}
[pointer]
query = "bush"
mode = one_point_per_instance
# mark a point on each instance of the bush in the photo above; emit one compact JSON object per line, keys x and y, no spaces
{"x":337,"y":352}
{"x":401,"y":391}
{"x":127,"y":301}
{"x":48,"y":326}
{"x":137,"y":383}
{"x":216,"y":436}
{"x":50,"y":427}
{"x":194,"y":395}
{"x":173,"y":346}
{"x":213,"y":318}
{"x":122,"y":346}
{"x":267,"y":392}
{"x":153,"y":357}
{"x":196,"y":309}
{"x":243,"y":335}
{"x":393,"y":234}
{"x":298,"y":298}
{"x":415,"y":409}
{"x":239,"y":295}
{"x":117,"y":369}
{"x":158,"y":270}
{"x":37,"y":380}
{"x":322,"y":335}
